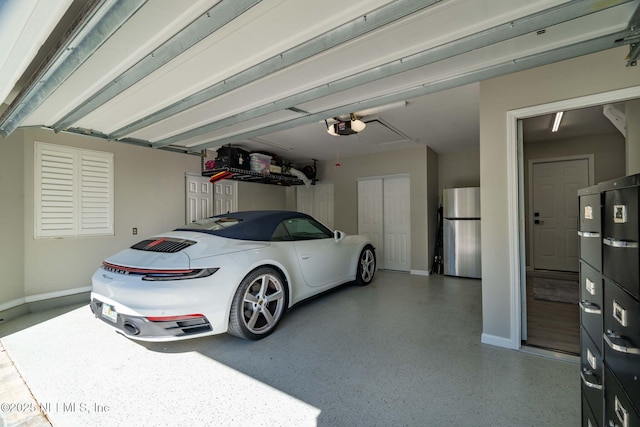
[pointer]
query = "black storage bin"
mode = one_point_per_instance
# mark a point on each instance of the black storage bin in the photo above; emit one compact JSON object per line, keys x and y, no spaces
{"x":232,"y":157}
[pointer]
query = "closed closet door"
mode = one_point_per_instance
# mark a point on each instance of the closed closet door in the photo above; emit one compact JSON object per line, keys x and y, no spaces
{"x":199,"y":198}
{"x":317,"y":201}
{"x":384,"y":216}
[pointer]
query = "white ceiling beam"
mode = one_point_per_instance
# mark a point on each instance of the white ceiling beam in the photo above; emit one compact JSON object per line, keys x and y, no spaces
{"x":208,"y":23}
{"x":516,"y":28}
{"x":355,"y":28}
{"x":88,"y":36}
{"x":566,"y":52}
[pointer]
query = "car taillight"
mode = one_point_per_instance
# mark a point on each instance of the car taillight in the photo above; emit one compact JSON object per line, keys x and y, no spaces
{"x":161,"y":275}
{"x":179,"y":275}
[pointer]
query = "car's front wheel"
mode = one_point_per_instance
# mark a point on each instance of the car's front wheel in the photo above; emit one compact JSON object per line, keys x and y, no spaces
{"x":258,"y":304}
{"x":366,"y":266}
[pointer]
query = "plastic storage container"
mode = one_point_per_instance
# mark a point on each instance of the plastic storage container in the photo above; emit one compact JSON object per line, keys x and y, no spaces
{"x":259,"y":162}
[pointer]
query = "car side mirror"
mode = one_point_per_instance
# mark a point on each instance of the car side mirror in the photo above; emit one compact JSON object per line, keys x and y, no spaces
{"x":338,"y":235}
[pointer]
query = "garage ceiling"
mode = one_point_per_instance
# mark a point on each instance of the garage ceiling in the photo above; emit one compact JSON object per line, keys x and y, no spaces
{"x":267,"y":74}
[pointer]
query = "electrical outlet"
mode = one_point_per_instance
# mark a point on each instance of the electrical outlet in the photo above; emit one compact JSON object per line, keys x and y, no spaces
{"x":135,"y":231}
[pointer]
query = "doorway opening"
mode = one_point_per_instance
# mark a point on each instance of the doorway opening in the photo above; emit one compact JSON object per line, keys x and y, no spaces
{"x":587,"y":149}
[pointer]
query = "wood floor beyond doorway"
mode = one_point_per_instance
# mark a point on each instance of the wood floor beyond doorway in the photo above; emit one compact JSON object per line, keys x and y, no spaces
{"x":550,"y":324}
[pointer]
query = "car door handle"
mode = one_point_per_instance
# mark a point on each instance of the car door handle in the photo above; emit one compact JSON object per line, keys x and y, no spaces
{"x":305,"y":256}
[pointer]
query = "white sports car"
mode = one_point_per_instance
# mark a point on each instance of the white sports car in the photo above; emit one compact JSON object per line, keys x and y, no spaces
{"x":235,"y":273}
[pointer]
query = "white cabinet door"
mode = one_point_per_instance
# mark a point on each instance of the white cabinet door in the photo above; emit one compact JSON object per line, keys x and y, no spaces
{"x":199,"y":198}
{"x":384,"y":216}
{"x":225,"y":196}
{"x":370,"y":214}
{"x":317,"y":201}
{"x":397,"y":224}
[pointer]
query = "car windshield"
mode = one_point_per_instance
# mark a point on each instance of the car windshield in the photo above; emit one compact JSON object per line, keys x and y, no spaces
{"x":213,"y":223}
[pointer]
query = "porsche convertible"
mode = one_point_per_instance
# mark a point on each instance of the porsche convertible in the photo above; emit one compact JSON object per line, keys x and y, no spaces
{"x":235,"y":273}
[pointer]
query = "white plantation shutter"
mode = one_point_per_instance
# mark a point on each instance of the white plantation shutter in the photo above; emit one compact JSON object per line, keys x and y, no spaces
{"x":73,"y":191}
{"x":96,"y":197}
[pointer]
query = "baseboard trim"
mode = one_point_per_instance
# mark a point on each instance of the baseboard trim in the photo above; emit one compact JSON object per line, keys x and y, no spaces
{"x":12,"y":304}
{"x":57,"y":294}
{"x":419,"y":272}
{"x":40,"y":302}
{"x":496,"y":341}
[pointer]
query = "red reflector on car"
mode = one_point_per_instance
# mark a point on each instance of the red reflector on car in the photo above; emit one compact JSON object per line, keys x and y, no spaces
{"x":174,"y":318}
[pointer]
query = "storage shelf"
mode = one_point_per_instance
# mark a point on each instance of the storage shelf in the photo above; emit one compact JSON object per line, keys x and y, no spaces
{"x":262,"y":178}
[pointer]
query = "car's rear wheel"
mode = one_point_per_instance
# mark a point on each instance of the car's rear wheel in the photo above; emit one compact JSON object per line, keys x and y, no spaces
{"x":366,"y":266}
{"x":258,"y":304}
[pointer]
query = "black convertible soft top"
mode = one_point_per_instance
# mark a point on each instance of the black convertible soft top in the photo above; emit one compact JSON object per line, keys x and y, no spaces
{"x":246,"y":225}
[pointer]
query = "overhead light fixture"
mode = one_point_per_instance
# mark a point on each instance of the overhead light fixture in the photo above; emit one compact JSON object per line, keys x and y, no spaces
{"x":556,"y":121}
{"x":346,"y":127}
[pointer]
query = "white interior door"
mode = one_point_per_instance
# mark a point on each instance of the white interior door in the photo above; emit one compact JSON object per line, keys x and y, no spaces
{"x":370,"y":214}
{"x":555,"y":212}
{"x":397,"y":223}
{"x":199,"y":198}
{"x":384,"y":217}
{"x":317,"y":201}
{"x":323,"y":203}
{"x":225,"y":196}
{"x":305,"y":199}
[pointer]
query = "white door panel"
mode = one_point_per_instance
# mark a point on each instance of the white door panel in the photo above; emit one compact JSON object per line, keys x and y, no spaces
{"x":305,"y":199}
{"x":199,"y":198}
{"x":397,"y":224}
{"x":323,"y":204}
{"x":317,"y":201}
{"x":384,"y":217}
{"x":555,"y":209}
{"x":225,"y":196}
{"x":370,"y":215}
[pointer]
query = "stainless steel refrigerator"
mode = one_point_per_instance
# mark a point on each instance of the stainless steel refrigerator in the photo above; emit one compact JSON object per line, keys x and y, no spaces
{"x":461,"y":232}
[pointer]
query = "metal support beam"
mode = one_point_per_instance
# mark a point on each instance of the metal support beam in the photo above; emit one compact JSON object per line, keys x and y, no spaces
{"x":355,"y":28}
{"x":212,"y":20}
{"x":519,"y":64}
{"x":89,"y":35}
{"x":634,"y":36}
{"x":519,"y":27}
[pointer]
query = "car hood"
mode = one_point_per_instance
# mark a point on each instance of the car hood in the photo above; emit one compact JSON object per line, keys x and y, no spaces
{"x":201,"y":245}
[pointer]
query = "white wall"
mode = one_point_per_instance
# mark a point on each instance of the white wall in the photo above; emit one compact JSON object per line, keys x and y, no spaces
{"x":11,"y":218}
{"x":149,"y":195}
{"x":632,"y":113}
{"x":255,"y":196}
{"x":458,"y":169}
{"x":591,"y":74}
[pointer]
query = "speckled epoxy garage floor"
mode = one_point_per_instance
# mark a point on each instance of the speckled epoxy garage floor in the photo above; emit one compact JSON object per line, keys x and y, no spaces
{"x":404,"y":351}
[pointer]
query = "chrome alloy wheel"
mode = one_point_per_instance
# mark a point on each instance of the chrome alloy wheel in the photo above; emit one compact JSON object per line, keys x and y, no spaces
{"x":263,"y":304}
{"x":366,"y":266}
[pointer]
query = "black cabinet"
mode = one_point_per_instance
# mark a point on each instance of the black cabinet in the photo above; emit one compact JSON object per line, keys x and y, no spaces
{"x":609,"y":302}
